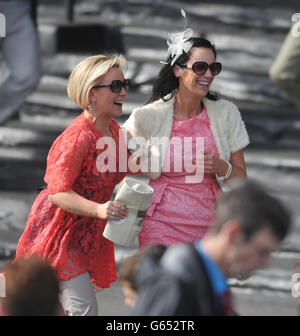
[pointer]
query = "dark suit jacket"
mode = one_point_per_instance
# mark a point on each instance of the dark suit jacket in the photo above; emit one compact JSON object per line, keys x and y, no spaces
{"x":176,"y":285}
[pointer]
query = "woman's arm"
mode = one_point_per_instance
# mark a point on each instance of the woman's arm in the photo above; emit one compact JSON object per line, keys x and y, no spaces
{"x":72,"y":202}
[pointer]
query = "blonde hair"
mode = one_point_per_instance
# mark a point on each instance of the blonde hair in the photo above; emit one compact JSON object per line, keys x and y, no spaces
{"x":87,"y":73}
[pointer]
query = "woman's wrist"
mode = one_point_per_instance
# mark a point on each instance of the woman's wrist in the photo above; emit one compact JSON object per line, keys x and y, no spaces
{"x":223,"y":167}
{"x":225,"y":174}
{"x":99,"y":211}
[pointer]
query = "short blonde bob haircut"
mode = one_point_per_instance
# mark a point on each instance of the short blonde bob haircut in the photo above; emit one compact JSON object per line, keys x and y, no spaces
{"x":87,"y":74}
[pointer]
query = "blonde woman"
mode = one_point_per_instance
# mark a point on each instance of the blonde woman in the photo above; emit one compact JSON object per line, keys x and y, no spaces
{"x":67,"y":219}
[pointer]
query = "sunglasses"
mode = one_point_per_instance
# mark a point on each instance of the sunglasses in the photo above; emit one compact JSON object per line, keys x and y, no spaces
{"x":116,"y":85}
{"x":200,"y":68}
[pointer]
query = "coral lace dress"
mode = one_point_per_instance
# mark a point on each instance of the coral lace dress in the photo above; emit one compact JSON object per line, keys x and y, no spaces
{"x":74,"y":244}
{"x":182,"y":211}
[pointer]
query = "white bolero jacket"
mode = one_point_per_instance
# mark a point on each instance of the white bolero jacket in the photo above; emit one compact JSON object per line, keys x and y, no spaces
{"x":156,"y":120}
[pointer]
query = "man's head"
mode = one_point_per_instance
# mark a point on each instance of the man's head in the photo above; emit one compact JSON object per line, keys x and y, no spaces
{"x":249,"y":224}
{"x":32,"y":288}
{"x":129,"y":268}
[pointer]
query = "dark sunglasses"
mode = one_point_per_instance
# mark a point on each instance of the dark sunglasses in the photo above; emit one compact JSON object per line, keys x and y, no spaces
{"x":116,"y":85}
{"x":200,"y":68}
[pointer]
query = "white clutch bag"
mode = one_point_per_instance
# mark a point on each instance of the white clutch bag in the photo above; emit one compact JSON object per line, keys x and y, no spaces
{"x":137,"y":196}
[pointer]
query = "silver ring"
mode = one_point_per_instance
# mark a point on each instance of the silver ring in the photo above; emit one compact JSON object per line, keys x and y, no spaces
{"x":113,"y":213}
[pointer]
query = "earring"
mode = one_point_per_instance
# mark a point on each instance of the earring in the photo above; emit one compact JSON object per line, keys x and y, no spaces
{"x":91,"y":107}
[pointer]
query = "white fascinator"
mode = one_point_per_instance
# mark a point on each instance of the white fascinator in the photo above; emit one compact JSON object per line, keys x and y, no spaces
{"x":178,"y":42}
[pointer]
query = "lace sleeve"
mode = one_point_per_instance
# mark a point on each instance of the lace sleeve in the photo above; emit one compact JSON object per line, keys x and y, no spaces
{"x":65,"y":160}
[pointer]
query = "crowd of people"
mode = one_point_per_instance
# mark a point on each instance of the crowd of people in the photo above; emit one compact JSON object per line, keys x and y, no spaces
{"x":194,"y":235}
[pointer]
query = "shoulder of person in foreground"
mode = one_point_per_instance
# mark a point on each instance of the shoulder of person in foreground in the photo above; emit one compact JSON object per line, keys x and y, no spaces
{"x":169,"y":286}
{"x":159,"y":291}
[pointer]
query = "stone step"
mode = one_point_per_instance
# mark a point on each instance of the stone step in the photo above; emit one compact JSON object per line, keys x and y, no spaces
{"x":34,"y":121}
{"x":244,"y":77}
{"x":286,"y":137}
{"x":276,"y":279}
{"x":290,"y":199}
{"x":271,"y":126}
{"x":229,"y":45}
{"x":14,"y":210}
{"x":287,"y":261}
{"x":59,"y":36}
{"x":15,"y":206}
{"x":270,"y":120}
{"x":52,"y":93}
{"x":252,"y":111}
{"x":267,"y":128}
{"x":11,"y":137}
{"x":25,"y":173}
{"x":245,"y":87}
{"x":237,"y":87}
{"x":149,"y":45}
{"x":265,"y":45}
{"x":138,"y":20}
{"x":27,"y":142}
{"x":236,"y":60}
{"x":253,"y":302}
{"x":236,"y":16}
{"x":270,"y":279}
{"x":276,"y":158}
{"x":254,"y":3}
{"x":267,"y":133}
{"x":235,"y":82}
{"x":278,"y":179}
{"x":283,"y":265}
{"x":233,"y":13}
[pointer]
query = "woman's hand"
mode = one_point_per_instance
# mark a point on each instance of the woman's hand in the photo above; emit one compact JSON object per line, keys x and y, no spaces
{"x":213,"y":164}
{"x":97,"y":289}
{"x":111,"y":210}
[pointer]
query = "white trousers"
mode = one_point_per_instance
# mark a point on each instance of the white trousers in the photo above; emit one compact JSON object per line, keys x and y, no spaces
{"x":77,"y":296}
{"x":20,"y":51}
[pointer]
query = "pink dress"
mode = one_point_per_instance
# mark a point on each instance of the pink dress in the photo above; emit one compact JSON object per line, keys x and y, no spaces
{"x":182,"y":211}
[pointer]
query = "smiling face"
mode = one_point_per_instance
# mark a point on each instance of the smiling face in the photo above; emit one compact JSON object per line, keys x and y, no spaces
{"x":104,"y":100}
{"x":190,"y":82}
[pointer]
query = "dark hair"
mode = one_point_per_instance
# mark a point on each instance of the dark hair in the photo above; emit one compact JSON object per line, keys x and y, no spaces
{"x":166,"y":82}
{"x":32,"y":288}
{"x":129,"y":267}
{"x":254,"y":209}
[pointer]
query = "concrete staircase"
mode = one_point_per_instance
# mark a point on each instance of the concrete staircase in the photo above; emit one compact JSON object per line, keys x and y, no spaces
{"x":247,"y":37}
